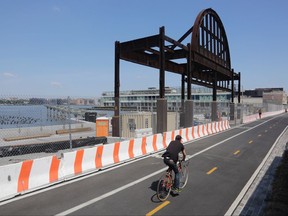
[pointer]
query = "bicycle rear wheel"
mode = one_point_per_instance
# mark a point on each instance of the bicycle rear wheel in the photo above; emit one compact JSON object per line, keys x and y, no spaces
{"x":183,"y":176}
{"x":164,"y":187}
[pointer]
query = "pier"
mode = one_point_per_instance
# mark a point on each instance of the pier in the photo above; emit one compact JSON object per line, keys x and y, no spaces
{"x":63,"y":111}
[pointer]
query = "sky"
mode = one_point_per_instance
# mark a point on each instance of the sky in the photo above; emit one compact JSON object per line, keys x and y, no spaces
{"x":66,"y":47}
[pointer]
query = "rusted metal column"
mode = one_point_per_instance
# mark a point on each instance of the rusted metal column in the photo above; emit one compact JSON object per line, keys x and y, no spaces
{"x":162,"y":63}
{"x":182,"y":92}
{"x":188,"y":113}
{"x":232,"y":106}
{"x":214,"y":110}
{"x":189,"y":103}
{"x":232,"y":86}
{"x":190,"y":70}
{"x":162,"y":102}
{"x":239,"y":88}
{"x":182,"y":116}
{"x":161,"y":115}
{"x":115,"y":118}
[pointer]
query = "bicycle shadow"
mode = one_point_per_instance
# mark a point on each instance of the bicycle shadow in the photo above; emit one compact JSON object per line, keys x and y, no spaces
{"x":154,"y":185}
{"x":154,"y":198}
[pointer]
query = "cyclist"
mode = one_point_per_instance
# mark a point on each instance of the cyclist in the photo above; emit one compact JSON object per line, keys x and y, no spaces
{"x":170,"y":158}
{"x":260,"y":113}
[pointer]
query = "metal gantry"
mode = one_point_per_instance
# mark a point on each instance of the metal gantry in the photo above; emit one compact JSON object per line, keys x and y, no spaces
{"x":206,"y":63}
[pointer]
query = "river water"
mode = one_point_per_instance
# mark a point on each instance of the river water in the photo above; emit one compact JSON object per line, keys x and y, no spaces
{"x":17,"y":116}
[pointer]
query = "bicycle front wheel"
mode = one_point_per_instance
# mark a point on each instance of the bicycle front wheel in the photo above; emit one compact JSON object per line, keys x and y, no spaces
{"x":183,"y":177}
{"x":164,"y":187}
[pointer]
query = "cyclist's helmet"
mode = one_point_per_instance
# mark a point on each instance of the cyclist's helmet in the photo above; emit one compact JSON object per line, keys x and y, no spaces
{"x":178,"y":137}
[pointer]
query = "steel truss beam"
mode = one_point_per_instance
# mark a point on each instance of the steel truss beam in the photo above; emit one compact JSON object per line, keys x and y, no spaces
{"x":206,"y":59}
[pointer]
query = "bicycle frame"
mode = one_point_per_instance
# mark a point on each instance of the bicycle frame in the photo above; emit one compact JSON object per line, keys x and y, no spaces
{"x":166,"y":181}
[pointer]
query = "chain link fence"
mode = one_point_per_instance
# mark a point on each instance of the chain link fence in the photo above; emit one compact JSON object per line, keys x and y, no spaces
{"x":34,"y":127}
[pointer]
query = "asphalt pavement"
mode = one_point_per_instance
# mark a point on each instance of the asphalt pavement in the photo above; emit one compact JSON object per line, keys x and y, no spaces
{"x":223,"y":167}
{"x":253,"y":200}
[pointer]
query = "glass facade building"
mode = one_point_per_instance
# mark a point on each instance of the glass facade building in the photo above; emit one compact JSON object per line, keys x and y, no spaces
{"x":145,"y":100}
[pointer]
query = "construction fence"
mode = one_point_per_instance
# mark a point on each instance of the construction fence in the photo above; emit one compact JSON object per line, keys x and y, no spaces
{"x":33,"y":126}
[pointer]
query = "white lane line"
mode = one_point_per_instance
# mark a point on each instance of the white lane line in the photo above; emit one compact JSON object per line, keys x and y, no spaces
{"x":250,"y":181}
{"x":83,"y":205}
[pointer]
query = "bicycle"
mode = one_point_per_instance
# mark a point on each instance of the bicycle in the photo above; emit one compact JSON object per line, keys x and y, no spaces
{"x":166,"y":181}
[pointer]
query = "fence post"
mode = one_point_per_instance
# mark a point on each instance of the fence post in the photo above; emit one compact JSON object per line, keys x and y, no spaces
{"x":69,"y":122}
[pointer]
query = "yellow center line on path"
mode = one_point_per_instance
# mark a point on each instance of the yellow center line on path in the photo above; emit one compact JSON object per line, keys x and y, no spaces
{"x":158,"y":208}
{"x":251,"y":141}
{"x":237,"y":152}
{"x":211,"y":171}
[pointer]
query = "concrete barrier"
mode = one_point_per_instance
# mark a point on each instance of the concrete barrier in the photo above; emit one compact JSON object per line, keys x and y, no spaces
{"x":217,"y":126}
{"x":220,"y":126}
{"x":208,"y":128}
{"x":188,"y":134}
{"x":205,"y":129}
{"x":167,"y":138}
{"x":28,"y":175}
{"x":43,"y":171}
{"x":250,"y":118}
{"x":68,"y":163}
{"x":109,"y":154}
{"x":151,"y":143}
{"x":195,"y":132}
{"x":254,"y":117}
{"x":33,"y":174}
{"x":200,"y":130}
{"x":9,"y":180}
{"x":89,"y":159}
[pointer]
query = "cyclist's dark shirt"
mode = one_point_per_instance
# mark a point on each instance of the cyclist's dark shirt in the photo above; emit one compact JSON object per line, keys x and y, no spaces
{"x":174,"y":148}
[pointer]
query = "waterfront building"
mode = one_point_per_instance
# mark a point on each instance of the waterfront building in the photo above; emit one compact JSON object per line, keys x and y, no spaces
{"x":82,"y":101}
{"x":145,"y":100}
{"x":276,"y":96}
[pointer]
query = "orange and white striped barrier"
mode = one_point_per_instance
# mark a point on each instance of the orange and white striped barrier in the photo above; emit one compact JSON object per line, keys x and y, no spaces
{"x":209,"y":128}
{"x":195,"y":133}
{"x":167,"y":138}
{"x":220,"y":126}
{"x":201,"y":129}
{"x":33,"y":174}
{"x":155,"y":143}
{"x":215,"y":126}
{"x":27,"y":175}
{"x":9,"y":180}
{"x":188,"y":134}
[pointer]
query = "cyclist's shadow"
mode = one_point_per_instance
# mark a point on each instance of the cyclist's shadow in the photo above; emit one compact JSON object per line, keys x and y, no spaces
{"x":153,"y":187}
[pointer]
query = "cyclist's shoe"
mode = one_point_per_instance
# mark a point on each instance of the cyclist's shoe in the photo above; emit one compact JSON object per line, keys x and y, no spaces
{"x":176,"y":190}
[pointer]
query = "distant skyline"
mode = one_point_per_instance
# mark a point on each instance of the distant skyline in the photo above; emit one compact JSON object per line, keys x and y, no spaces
{"x":61,"y":48}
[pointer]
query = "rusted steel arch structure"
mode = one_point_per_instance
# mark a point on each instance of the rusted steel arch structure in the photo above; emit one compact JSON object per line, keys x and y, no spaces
{"x":205,"y":61}
{"x":210,"y":50}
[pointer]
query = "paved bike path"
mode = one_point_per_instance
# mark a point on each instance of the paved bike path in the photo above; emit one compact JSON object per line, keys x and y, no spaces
{"x":204,"y":194}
